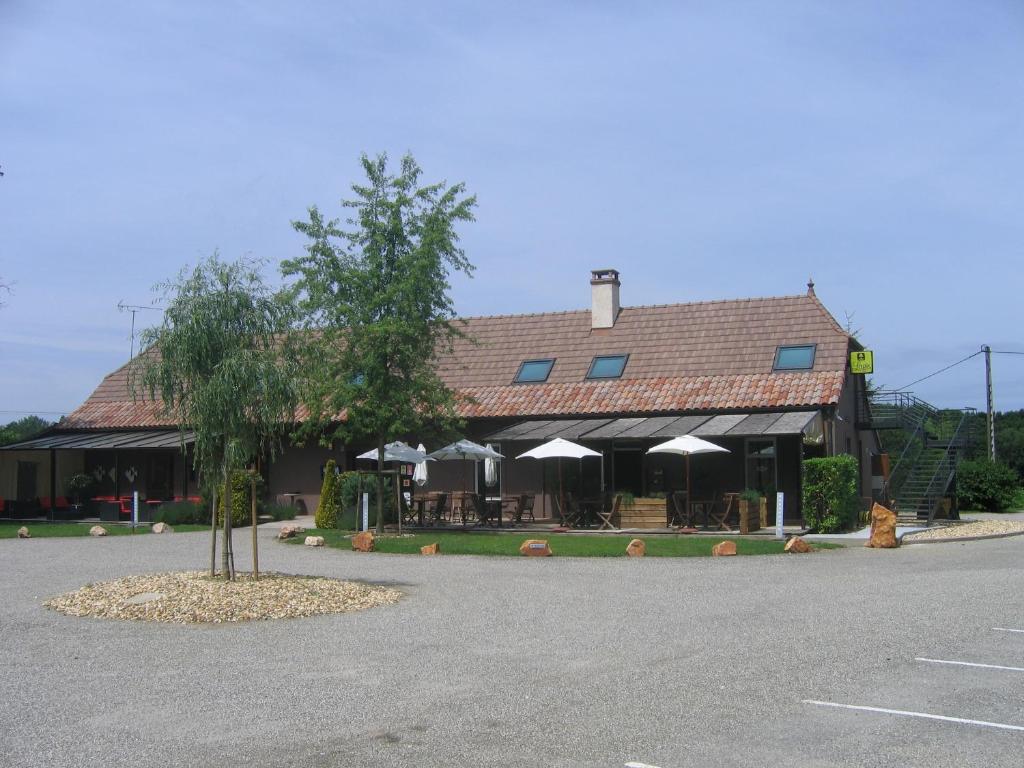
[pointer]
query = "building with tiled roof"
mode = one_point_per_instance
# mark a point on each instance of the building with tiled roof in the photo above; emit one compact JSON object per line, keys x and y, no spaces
{"x":768,"y":378}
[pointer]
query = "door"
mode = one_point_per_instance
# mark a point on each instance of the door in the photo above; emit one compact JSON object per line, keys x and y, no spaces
{"x":28,"y":472}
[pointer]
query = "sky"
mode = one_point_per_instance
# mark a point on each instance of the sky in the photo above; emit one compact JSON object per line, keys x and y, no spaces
{"x":706,"y":150}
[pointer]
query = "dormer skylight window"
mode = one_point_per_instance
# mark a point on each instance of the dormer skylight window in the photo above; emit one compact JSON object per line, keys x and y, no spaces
{"x":607,"y":366}
{"x":534,"y":371}
{"x":799,"y":357}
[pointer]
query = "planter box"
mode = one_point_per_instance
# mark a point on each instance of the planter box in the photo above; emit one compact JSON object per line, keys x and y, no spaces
{"x":752,"y":516}
{"x":642,"y":513}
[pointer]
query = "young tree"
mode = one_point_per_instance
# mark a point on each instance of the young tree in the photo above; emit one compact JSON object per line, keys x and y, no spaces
{"x":215,"y":362}
{"x":375,"y":300}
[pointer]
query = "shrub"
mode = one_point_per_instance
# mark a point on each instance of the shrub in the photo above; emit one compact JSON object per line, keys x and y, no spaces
{"x":350,"y":510}
{"x":241,"y":509}
{"x":984,"y":484}
{"x":830,"y":498}
{"x":327,"y":509}
{"x":181,"y":513}
{"x":279,"y":511}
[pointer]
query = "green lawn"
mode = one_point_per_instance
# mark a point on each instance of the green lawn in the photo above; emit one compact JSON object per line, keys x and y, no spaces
{"x":506,"y":544}
{"x":42,"y":530}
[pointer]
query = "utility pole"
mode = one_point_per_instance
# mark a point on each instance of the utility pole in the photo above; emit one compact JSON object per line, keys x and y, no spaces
{"x":990,"y":405}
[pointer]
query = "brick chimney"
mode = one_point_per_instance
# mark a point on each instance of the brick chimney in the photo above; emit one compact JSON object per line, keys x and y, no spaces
{"x":604,"y":298}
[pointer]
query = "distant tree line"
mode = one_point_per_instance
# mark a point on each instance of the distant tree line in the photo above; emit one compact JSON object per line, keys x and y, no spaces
{"x":22,"y":429}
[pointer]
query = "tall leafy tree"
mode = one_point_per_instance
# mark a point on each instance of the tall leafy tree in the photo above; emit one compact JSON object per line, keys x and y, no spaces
{"x":215,"y":363}
{"x":23,"y":429}
{"x":374,"y":292}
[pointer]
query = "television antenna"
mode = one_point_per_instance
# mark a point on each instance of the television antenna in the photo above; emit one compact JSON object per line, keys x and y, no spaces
{"x":133,"y":308}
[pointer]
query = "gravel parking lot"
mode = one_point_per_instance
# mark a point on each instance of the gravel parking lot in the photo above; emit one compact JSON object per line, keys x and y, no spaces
{"x":556,"y":662}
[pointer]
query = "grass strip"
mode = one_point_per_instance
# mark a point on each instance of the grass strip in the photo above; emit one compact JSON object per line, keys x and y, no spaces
{"x":46,"y":530}
{"x":562,"y":545}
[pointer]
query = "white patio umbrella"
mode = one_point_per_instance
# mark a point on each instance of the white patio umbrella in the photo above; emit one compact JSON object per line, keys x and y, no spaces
{"x":684,"y":446}
{"x":419,"y":475}
{"x":559,"y":448}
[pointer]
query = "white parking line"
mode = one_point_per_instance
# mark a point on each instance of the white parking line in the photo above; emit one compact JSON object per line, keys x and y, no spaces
{"x":640,"y":765}
{"x":1004,"y":629}
{"x":969,"y":664}
{"x":924,"y":715}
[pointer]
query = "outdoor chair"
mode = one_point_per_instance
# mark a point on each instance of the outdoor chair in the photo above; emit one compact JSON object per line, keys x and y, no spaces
{"x":716,"y":514}
{"x":606,"y":512}
{"x":436,"y":513}
{"x":482,"y":511}
{"x":678,"y":514}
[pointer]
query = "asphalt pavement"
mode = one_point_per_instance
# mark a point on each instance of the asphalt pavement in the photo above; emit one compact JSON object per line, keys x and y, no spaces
{"x":747,"y":661}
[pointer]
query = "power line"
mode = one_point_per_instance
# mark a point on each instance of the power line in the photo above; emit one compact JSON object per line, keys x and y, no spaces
{"x":941,"y":370}
{"x":997,"y":352}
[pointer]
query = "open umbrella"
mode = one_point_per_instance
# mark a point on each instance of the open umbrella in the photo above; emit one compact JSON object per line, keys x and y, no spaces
{"x":684,"y":446}
{"x":559,"y":448}
{"x":465,"y":450}
{"x":400,"y":452}
{"x":419,"y":475}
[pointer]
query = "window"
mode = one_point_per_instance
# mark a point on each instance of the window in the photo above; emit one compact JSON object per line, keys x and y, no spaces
{"x":607,"y":366}
{"x":534,"y":371}
{"x":795,"y":358}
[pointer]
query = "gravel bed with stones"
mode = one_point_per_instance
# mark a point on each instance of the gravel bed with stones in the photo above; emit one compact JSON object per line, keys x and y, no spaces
{"x":969,"y":530}
{"x":193,"y":597}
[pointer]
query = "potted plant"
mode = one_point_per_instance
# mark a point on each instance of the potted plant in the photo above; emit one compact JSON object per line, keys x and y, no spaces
{"x":79,"y":485}
{"x":751,"y":515}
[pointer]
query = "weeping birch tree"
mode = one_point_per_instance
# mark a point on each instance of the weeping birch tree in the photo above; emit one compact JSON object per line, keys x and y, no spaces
{"x":374,"y":294}
{"x":216,"y":366}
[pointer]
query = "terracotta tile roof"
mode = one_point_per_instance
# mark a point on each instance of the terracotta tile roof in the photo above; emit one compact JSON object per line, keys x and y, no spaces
{"x":682,"y":357}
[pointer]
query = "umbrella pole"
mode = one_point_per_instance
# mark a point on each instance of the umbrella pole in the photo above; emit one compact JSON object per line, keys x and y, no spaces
{"x":689,"y":497}
{"x":561,"y":495}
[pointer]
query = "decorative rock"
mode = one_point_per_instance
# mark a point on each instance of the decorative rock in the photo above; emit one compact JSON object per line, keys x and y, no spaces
{"x":636,"y":548}
{"x":724,"y":549}
{"x":363,"y":541}
{"x":535,"y":548}
{"x":431,"y":549}
{"x":883,"y":528}
{"x":23,"y":533}
{"x":314,"y":541}
{"x":97,"y":530}
{"x":289,"y":531}
{"x":797,"y":546}
{"x":162,"y":528}
{"x":144,"y":597}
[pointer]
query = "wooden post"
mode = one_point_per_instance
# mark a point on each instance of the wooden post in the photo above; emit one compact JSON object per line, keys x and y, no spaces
{"x":213,"y":535}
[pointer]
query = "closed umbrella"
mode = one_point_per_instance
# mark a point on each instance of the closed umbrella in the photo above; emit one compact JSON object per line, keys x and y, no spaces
{"x":559,"y":448}
{"x":684,"y":446}
{"x":490,"y":470}
{"x":419,"y":475}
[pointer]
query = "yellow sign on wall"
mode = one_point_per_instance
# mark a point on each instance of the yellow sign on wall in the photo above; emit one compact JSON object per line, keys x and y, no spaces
{"x":862,"y":362}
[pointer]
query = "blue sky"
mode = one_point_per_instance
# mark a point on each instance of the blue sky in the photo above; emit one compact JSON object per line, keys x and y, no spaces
{"x":706,"y":150}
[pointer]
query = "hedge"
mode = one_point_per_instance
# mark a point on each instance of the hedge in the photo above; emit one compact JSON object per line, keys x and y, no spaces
{"x":830,"y":493}
{"x":984,"y":484}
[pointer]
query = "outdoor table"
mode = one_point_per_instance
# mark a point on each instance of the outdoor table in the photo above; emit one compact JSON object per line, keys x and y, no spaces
{"x":707,"y":507}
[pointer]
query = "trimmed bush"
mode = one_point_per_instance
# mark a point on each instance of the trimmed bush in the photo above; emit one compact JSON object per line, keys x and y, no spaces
{"x":327,"y":510}
{"x":830,"y":497}
{"x":984,"y":484}
{"x":181,"y":513}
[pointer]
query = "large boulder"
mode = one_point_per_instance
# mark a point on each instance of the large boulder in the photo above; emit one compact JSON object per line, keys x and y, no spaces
{"x":724,"y":549}
{"x":23,"y":533}
{"x":883,"y":528}
{"x":314,"y":541}
{"x":431,"y":549}
{"x":535,"y":548}
{"x":636,"y":548}
{"x":363,"y":541}
{"x":162,"y":528}
{"x":97,"y":530}
{"x":290,"y":531}
{"x":797,"y":546}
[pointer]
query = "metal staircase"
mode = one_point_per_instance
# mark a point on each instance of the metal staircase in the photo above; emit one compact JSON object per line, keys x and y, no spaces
{"x":933,"y":444}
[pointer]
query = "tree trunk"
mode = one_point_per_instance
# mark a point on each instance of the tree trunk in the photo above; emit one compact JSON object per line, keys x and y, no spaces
{"x":380,"y":484}
{"x":213,"y":535}
{"x":255,"y":544}
{"x":226,"y":553}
